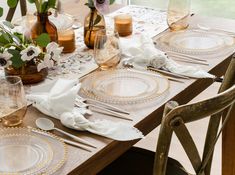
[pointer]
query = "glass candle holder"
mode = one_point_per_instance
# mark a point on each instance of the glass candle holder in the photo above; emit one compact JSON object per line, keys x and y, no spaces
{"x":123,"y":24}
{"x":177,"y":14}
{"x":66,"y":36}
{"x":66,"y":39}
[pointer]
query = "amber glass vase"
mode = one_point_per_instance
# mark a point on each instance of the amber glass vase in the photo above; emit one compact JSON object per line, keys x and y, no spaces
{"x":28,"y":73}
{"x":43,"y":25}
{"x":94,"y":22}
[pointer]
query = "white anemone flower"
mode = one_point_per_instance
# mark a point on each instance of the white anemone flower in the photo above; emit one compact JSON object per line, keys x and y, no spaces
{"x":5,"y":59}
{"x":54,"y":50}
{"x":47,"y":62}
{"x":30,"y":52}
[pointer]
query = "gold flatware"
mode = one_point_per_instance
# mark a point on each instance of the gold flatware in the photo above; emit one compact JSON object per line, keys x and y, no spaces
{"x":189,"y":61}
{"x":108,"y":106}
{"x":169,"y":73}
{"x":64,"y":140}
{"x":154,"y":74}
{"x":109,"y":112}
{"x":185,"y":56}
{"x":131,"y":68}
{"x":47,"y":125}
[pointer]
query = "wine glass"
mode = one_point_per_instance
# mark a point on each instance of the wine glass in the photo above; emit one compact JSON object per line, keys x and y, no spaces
{"x":13,"y":103}
{"x":107,"y":52}
{"x":177,"y":14}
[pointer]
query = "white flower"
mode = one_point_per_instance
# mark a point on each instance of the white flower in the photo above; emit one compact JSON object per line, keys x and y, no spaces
{"x":47,"y":62}
{"x":30,"y":52}
{"x":54,"y":50}
{"x":5,"y":59}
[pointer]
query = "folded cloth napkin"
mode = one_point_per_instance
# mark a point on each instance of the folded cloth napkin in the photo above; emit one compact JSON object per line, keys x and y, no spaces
{"x":57,"y":99}
{"x":140,"y":51}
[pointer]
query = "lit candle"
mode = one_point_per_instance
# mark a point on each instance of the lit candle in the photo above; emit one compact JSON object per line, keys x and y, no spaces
{"x":123,"y":24}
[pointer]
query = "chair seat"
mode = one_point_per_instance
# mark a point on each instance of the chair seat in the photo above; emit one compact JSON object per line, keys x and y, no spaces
{"x":138,"y":161}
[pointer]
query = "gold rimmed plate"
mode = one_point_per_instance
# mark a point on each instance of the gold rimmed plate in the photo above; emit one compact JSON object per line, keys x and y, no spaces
{"x":123,"y":87}
{"x":26,"y":151}
{"x":195,"y":41}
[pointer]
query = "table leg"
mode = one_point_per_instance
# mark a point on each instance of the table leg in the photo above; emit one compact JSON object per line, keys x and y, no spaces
{"x":228,"y":146}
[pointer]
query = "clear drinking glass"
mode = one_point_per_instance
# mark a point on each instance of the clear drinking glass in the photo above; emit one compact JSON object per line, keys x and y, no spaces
{"x":107,"y":52}
{"x":13,"y":103}
{"x":177,"y":14}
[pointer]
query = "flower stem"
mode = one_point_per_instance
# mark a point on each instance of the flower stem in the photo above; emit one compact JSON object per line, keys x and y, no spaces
{"x":91,"y":24}
{"x":13,"y":45}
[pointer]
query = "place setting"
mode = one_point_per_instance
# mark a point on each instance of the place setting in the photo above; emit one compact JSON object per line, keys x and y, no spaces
{"x":70,"y":72}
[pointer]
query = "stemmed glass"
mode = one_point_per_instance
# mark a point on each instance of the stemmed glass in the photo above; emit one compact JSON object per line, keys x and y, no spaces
{"x":177,"y":14}
{"x":107,"y":52}
{"x":13,"y":103}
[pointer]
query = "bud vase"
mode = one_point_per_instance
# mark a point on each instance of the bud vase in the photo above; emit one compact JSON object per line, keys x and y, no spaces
{"x":94,"y":22}
{"x":43,"y":25}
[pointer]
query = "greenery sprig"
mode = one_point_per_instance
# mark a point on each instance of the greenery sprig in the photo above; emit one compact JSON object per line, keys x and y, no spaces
{"x":42,"y":6}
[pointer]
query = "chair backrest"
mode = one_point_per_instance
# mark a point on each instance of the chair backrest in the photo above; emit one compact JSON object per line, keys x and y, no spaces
{"x":175,"y":117}
{"x":23,"y":8}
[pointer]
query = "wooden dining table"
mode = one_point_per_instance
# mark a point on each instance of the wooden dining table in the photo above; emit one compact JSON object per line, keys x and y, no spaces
{"x":146,"y":116}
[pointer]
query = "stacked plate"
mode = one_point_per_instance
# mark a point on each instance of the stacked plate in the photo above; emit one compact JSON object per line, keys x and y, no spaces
{"x":123,"y":87}
{"x":26,"y":151}
{"x":195,"y":41}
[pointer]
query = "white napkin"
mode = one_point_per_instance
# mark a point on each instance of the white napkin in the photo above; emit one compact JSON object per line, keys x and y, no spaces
{"x":141,"y":52}
{"x":57,"y":99}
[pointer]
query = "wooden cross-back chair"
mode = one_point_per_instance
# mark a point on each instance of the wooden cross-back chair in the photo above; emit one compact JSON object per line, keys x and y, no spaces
{"x":23,"y":8}
{"x":137,"y":161}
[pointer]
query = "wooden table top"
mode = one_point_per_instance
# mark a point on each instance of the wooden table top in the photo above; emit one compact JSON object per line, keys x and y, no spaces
{"x":145,"y":116}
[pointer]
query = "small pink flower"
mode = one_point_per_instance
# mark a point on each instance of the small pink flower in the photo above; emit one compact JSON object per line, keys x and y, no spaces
{"x":102,"y":6}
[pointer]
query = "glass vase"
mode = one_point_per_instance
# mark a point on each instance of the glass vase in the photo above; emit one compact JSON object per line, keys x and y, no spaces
{"x":28,"y":73}
{"x":177,"y":14}
{"x":94,"y":22}
{"x":43,"y":25}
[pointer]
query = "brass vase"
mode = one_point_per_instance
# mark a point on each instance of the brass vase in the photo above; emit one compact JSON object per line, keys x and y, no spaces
{"x":94,"y":22}
{"x":43,"y":25}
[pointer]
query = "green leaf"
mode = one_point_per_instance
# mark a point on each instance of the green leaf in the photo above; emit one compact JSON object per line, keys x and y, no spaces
{"x":111,"y":1}
{"x":97,"y":20}
{"x":44,"y":7}
{"x":16,"y":58}
{"x":90,"y":4}
{"x":6,"y":36}
{"x":51,"y":3}
{"x":43,"y":40}
{"x":3,"y":40}
{"x":31,"y":1}
{"x":1,"y":11}
{"x":12,"y":3}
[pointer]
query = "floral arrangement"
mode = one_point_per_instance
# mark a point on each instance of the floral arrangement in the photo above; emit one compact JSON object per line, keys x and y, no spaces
{"x":101,"y":5}
{"x":44,"y":5}
{"x":17,"y":51}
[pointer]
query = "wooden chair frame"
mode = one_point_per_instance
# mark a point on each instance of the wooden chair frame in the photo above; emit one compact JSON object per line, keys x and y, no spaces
{"x":175,"y":117}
